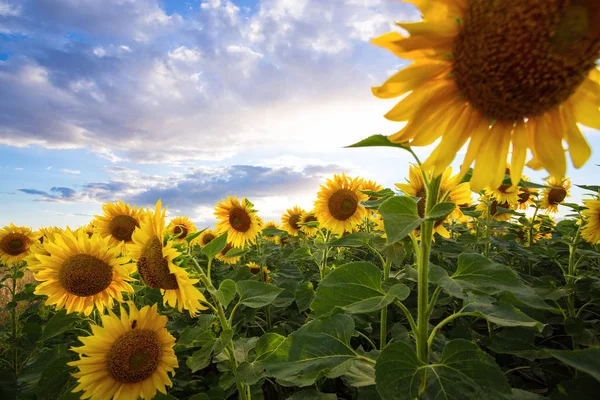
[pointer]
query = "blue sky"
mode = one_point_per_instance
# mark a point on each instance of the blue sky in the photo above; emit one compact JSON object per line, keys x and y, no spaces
{"x":191,"y":101}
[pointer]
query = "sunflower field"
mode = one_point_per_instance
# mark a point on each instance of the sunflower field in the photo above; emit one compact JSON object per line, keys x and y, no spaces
{"x":445,"y":286}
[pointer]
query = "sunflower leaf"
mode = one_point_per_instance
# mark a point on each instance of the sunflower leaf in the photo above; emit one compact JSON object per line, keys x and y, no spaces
{"x":441,"y":210}
{"x":587,"y":360}
{"x":194,"y":235}
{"x":400,"y":217}
{"x":215,"y":246}
{"x":378,"y":141}
{"x":255,"y":294}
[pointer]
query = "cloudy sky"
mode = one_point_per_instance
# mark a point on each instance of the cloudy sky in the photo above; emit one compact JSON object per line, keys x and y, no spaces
{"x":190,"y":101}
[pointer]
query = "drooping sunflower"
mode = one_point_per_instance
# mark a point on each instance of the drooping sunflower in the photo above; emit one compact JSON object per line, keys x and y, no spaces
{"x":154,"y":259}
{"x":78,"y":272}
{"x":497,"y":72}
{"x":119,"y":222}
{"x":590,"y":231}
{"x":181,"y":227}
{"x":489,"y":206}
{"x":273,"y":238}
{"x":450,"y":190}
{"x":223,"y":255}
{"x":338,"y":204}
{"x":15,"y":243}
{"x":306,"y":218}
{"x":555,"y":194}
{"x":128,"y":357}
{"x":205,"y":237}
{"x":290,"y":220}
{"x":239,"y":219}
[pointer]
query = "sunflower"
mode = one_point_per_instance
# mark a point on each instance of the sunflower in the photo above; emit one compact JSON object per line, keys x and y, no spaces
{"x":273,"y":238}
{"x":205,"y":237}
{"x":78,"y":272}
{"x":555,"y":194}
{"x":450,"y":190}
{"x":257,"y":269}
{"x":155,"y":264}
{"x":371,"y":186}
{"x":239,"y":219}
{"x":127,"y":357}
{"x":119,"y":222}
{"x":305,"y":218}
{"x":181,"y":227}
{"x":15,"y":242}
{"x":223,"y":257}
{"x":590,"y":231}
{"x":47,"y":232}
{"x":338,"y":204}
{"x":290,"y":220}
{"x":377,"y":221}
{"x":497,"y":72}
{"x":89,"y":228}
{"x":489,"y":205}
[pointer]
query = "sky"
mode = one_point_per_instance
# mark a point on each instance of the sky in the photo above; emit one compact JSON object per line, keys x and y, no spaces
{"x":191,"y":101}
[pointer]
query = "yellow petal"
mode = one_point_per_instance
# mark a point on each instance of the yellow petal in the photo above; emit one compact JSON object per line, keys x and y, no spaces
{"x":579,"y":149}
{"x":409,"y":78}
{"x":547,"y":141}
{"x":520,"y":143}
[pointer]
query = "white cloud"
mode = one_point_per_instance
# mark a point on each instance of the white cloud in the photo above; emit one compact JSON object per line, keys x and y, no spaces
{"x":9,"y":10}
{"x":71,"y":171}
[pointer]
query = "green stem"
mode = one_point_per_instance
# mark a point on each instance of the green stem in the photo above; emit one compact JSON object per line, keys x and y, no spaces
{"x":384,"y":310}
{"x":13,"y":313}
{"x":367,"y":339}
{"x":409,"y":317}
{"x":570,"y":278}
{"x":433,"y":300}
{"x":447,"y":320}
{"x":537,"y":208}
{"x":423,"y":272}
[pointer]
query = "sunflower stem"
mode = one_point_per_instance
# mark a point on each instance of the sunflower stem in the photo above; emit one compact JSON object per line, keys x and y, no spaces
{"x":421,"y":334}
{"x":537,"y":208}
{"x":384,"y":310}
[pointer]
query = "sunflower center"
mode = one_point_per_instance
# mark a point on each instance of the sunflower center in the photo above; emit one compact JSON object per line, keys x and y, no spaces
{"x":85,"y":275}
{"x":121,"y":227}
{"x":494,"y":207}
{"x":226,"y":249}
{"x":557,"y":195}
{"x":516,"y":59}
{"x":524,"y":195}
{"x":180,"y":231}
{"x":239,"y":220}
{"x":343,"y":204}
{"x":310,"y":218}
{"x":422,"y":193}
{"x":134,"y":356}
{"x":207,"y":238}
{"x":14,"y":244}
{"x":294,"y":220}
{"x":154,"y":268}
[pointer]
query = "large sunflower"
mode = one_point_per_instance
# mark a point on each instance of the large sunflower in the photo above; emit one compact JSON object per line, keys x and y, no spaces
{"x":127,"y":357}
{"x":590,"y":231}
{"x":338,"y":204}
{"x":15,"y":242}
{"x":78,"y":272}
{"x":290,"y":220}
{"x":223,"y":257}
{"x":239,"y":219}
{"x":555,"y":194}
{"x":181,"y":227}
{"x":154,"y":259}
{"x":498,"y":72}
{"x":119,"y":222}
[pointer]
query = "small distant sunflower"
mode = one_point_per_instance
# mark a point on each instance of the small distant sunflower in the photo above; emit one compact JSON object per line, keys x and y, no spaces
{"x":273,"y":238}
{"x":496,"y":73}
{"x":239,"y":219}
{"x":492,"y":209}
{"x":306,"y":218}
{"x":555,"y":194}
{"x":205,"y":237}
{"x":15,"y":242}
{"x":128,"y":357}
{"x":154,"y":259}
{"x":527,"y":195}
{"x":181,"y":227}
{"x":89,"y":229}
{"x":78,"y":272}
{"x":338,"y":204}
{"x":591,"y":217}
{"x":119,"y":222}
{"x":290,"y":220}
{"x":371,"y":186}
{"x":47,"y":232}
{"x":377,"y":220}
{"x":227,"y":260}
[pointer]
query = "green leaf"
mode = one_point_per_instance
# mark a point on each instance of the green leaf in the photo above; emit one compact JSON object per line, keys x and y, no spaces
{"x":400,"y":217}
{"x":194,"y":235}
{"x":8,"y":384}
{"x":463,"y":372}
{"x":377,"y":141}
{"x":504,"y":315}
{"x":215,"y":246}
{"x":200,"y":359}
{"x":356,"y":239}
{"x":251,"y":373}
{"x":441,"y":210}
{"x":312,"y":351}
{"x":305,"y":293}
{"x":59,"y":323}
{"x":54,"y":378}
{"x":587,"y":360}
{"x":255,"y":294}
{"x":517,"y":341}
{"x":273,"y":232}
{"x":593,"y":188}
{"x":227,"y":288}
{"x":356,"y":288}
{"x":312,"y":394}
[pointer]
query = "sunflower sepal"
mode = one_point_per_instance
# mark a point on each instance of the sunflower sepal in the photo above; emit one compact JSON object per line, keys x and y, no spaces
{"x":215,"y":246}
